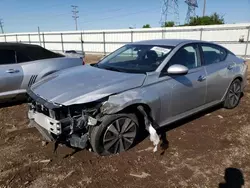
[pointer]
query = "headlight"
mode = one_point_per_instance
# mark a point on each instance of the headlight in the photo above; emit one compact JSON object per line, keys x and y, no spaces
{"x":52,"y":114}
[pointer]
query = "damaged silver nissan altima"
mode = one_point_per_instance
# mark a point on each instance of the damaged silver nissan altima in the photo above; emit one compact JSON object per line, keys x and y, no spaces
{"x":142,"y":85}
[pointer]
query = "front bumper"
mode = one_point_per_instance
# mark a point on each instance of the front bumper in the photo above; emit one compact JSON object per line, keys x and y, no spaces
{"x":60,"y":123}
{"x":51,"y":125}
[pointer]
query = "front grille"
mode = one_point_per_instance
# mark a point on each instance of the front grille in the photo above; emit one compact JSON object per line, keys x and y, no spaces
{"x":42,"y":109}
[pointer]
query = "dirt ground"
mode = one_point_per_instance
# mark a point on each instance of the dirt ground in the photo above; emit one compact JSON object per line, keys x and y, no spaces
{"x":200,"y":150}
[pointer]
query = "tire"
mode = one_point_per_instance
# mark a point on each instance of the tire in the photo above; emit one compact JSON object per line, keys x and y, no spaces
{"x":108,"y":139}
{"x":233,"y":95}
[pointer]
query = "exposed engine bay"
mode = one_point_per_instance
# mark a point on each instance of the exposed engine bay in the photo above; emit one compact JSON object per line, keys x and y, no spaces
{"x":67,"y":125}
{"x":72,"y":125}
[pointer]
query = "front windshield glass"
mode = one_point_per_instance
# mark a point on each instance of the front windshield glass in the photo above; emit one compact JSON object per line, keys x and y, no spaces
{"x":135,"y":58}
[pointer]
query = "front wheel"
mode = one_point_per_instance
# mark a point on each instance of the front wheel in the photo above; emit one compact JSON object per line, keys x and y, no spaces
{"x":116,"y":133}
{"x":233,"y":95}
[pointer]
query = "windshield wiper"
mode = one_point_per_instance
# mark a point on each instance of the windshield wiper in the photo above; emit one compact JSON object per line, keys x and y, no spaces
{"x":112,"y":68}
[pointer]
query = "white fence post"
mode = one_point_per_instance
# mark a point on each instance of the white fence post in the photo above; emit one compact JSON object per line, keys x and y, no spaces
{"x":16,"y":38}
{"x":201,"y":33}
{"x":248,"y":40}
{"x":132,"y":37}
{"x":62,"y":42}
{"x":82,"y":43}
{"x":39,"y":36}
{"x":163,"y":33}
{"x":5,"y":38}
{"x":29,"y":38}
{"x":104,"y":46}
{"x":43,"y":40}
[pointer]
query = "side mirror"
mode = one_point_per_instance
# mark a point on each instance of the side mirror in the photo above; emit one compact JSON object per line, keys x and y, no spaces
{"x":177,"y":69}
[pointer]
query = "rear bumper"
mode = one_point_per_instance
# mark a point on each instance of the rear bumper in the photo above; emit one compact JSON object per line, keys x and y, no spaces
{"x":244,"y":82}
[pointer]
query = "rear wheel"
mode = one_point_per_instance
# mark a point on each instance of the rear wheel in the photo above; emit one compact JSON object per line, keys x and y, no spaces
{"x":116,"y":133}
{"x":233,"y":95}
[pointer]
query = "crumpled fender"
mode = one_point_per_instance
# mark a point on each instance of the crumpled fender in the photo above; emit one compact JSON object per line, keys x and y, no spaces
{"x":120,"y":101}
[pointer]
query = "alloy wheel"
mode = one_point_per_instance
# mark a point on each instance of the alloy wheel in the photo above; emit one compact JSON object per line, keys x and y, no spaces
{"x":234,"y":94}
{"x":120,"y":135}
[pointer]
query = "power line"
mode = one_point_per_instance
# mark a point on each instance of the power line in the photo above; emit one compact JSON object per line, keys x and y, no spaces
{"x":1,"y":25}
{"x":75,"y":14}
{"x":170,"y":7}
{"x":95,"y":21}
{"x":36,"y":10}
{"x":152,"y":9}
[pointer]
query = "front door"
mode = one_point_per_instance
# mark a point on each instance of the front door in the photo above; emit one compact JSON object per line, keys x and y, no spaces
{"x":11,"y":74}
{"x":187,"y":91}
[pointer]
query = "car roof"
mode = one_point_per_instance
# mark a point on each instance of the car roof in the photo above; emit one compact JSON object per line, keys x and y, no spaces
{"x":34,"y":52}
{"x":166,"y":42}
{"x":15,"y":45}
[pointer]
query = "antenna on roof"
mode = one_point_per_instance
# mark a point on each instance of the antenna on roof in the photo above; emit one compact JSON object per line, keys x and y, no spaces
{"x":170,"y":7}
{"x":192,"y":5}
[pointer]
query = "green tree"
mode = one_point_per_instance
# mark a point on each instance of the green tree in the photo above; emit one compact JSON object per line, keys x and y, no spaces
{"x":168,"y":24}
{"x":146,"y":26}
{"x":206,"y":20}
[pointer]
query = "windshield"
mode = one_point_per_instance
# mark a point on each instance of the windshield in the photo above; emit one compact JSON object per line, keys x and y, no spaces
{"x":135,"y":58}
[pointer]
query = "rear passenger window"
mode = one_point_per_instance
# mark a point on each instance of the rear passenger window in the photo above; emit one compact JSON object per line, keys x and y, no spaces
{"x":38,"y":53}
{"x":7,"y":57}
{"x":213,"y":54}
{"x":21,"y":58}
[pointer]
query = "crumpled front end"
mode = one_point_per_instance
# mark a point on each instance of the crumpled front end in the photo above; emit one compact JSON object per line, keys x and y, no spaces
{"x":68,"y":125}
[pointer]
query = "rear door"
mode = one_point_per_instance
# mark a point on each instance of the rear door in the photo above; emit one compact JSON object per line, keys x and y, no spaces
{"x":218,"y":68}
{"x":11,"y":74}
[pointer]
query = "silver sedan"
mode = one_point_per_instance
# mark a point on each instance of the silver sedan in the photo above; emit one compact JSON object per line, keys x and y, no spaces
{"x":21,"y":65}
{"x":142,"y":85}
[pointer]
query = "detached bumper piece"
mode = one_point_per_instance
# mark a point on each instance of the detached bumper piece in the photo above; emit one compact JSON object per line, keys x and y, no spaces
{"x":58,"y":125}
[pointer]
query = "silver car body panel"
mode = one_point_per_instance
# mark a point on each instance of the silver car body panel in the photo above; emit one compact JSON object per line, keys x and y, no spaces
{"x":17,"y":77}
{"x":169,"y":97}
{"x":75,"y":85}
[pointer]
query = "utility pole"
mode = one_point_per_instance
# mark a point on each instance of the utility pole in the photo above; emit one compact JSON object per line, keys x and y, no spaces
{"x":204,"y":8}
{"x":1,"y":25}
{"x":75,"y":14}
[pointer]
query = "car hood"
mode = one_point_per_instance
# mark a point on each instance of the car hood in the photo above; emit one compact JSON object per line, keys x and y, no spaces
{"x":84,"y":84}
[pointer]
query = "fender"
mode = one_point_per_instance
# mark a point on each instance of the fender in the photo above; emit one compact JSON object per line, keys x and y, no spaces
{"x":137,"y":96}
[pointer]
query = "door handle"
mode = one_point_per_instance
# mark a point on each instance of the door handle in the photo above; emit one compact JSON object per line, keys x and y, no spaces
{"x":230,"y":67}
{"x":201,"y":78}
{"x":12,"y":71}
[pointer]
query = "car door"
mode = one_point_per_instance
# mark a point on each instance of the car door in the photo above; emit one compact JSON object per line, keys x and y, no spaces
{"x":217,"y":68}
{"x":10,"y":74}
{"x":187,"y":91}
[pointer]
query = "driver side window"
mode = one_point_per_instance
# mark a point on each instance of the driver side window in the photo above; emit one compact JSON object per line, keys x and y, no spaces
{"x":188,"y":56}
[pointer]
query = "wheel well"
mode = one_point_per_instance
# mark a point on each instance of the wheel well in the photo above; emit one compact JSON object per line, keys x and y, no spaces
{"x":133,"y":109}
{"x":239,"y":78}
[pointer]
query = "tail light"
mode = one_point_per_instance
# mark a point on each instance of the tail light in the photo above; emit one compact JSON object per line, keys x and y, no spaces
{"x":245,"y":62}
{"x":83,"y":62}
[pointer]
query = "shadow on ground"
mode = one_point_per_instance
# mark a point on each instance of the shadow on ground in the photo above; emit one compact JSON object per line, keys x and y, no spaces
{"x":233,"y":179}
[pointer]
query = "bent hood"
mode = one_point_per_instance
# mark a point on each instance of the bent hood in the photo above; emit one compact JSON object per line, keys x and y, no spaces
{"x":84,"y":84}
